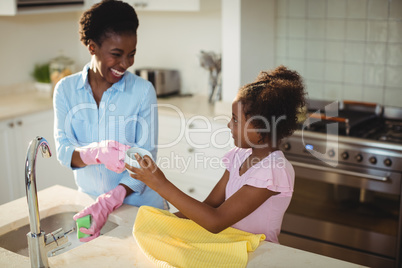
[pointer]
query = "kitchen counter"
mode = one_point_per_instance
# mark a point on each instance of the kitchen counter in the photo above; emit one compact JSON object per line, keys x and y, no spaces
{"x":21,"y":103}
{"x":16,"y":103}
{"x":196,"y":105}
{"x":118,"y":247}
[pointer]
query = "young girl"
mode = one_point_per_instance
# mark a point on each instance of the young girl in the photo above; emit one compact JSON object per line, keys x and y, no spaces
{"x":256,"y":188}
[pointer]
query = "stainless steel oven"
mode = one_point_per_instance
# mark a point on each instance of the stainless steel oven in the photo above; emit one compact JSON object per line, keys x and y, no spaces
{"x":347,"y":198}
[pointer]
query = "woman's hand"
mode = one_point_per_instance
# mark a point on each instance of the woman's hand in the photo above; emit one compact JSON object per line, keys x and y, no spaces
{"x":149,"y":173}
{"x":110,"y":153}
{"x":100,"y":210}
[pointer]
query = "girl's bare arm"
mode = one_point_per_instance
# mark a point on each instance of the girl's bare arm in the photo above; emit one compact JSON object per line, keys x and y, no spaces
{"x":214,"y":219}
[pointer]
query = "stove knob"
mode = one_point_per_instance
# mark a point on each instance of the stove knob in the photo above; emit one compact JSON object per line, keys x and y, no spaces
{"x":345,"y":155}
{"x":373,"y":160}
{"x":286,"y":146}
{"x":359,"y":158}
{"x":387,"y":162}
{"x":331,"y":153}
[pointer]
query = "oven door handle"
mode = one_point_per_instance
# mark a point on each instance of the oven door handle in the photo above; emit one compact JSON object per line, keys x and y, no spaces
{"x":340,"y":171}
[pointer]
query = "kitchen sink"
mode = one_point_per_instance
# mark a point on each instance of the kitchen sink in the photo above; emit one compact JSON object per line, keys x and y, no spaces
{"x":16,"y":240}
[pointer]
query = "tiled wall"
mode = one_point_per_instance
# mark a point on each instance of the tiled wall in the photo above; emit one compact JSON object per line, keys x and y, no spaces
{"x":345,"y":49}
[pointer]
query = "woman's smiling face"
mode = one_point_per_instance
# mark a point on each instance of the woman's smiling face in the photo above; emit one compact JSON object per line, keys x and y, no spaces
{"x":114,"y":56}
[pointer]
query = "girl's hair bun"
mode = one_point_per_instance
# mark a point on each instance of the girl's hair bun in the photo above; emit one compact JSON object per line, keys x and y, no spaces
{"x":275,"y":94}
{"x":281,"y":72}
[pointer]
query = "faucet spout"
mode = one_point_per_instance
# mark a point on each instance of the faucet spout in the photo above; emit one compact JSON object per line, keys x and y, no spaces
{"x":30,"y":180}
{"x":36,"y":238}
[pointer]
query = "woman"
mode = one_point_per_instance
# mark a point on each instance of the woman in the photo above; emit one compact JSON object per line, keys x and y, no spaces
{"x":103,"y":110}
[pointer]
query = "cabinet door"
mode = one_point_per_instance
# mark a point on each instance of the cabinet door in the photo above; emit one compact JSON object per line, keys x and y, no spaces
{"x":8,"y":7}
{"x":158,"y":5}
{"x":7,"y":163}
{"x":173,"y":5}
{"x":189,"y":183}
{"x":48,"y":170}
{"x":165,"y":5}
{"x":209,"y":141}
{"x":191,"y":151}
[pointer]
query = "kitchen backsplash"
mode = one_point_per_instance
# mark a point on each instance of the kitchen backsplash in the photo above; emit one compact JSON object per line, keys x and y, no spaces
{"x":345,"y":49}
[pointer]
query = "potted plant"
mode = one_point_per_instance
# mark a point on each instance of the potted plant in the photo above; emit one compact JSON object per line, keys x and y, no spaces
{"x":41,"y":74}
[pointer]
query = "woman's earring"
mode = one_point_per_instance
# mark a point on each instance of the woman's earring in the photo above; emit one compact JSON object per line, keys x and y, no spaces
{"x":91,"y":49}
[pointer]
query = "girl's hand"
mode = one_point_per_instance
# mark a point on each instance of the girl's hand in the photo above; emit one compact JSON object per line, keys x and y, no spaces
{"x":149,"y":173}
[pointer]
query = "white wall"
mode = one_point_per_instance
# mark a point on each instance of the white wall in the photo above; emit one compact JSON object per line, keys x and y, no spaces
{"x":248,"y":42}
{"x":166,"y":39}
{"x":175,"y":39}
{"x":257,"y":38}
{"x":231,"y":35}
{"x":30,"y":39}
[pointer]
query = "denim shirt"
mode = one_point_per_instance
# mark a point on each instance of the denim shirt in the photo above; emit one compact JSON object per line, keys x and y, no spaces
{"x":127,"y":113}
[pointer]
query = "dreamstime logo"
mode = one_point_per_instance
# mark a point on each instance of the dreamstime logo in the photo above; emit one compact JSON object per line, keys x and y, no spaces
{"x":331,"y":142}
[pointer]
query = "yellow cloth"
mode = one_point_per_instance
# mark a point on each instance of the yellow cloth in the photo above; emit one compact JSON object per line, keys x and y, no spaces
{"x":169,"y":241}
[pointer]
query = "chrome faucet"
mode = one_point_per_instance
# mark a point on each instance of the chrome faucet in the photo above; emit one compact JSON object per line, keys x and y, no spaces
{"x":38,"y":242}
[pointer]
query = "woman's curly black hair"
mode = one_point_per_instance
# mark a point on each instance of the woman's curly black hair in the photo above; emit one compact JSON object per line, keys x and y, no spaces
{"x":276,"y":96}
{"x":108,"y":16}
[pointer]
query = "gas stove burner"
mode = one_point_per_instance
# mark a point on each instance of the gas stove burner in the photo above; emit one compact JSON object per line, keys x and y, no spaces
{"x":395,"y":126}
{"x":390,"y":138}
{"x":359,"y":120}
{"x":393,"y":131}
{"x":395,"y":135}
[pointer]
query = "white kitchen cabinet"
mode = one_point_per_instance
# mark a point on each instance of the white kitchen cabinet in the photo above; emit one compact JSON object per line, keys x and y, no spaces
{"x":7,"y":190}
{"x":16,"y":135}
{"x":10,"y":8}
{"x":159,"y":5}
{"x":190,"y":152}
{"x":166,"y":5}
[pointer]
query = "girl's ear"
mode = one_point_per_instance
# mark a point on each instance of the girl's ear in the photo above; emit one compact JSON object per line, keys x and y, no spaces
{"x":92,"y":47}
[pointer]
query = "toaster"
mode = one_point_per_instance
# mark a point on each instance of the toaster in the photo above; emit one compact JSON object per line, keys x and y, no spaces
{"x":165,"y":81}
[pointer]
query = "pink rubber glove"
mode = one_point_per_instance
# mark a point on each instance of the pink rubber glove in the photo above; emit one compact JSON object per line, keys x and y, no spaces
{"x":110,"y":153}
{"x":100,"y":210}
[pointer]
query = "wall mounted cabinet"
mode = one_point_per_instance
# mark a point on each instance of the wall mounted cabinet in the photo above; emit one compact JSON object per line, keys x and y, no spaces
{"x":165,"y":5}
{"x":159,"y":5}
{"x":11,"y":7}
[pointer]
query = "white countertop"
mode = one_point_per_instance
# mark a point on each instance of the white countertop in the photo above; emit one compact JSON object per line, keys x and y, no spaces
{"x":196,"y":105}
{"x":22,"y":102}
{"x":118,"y":247}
